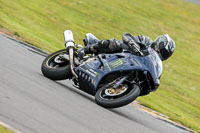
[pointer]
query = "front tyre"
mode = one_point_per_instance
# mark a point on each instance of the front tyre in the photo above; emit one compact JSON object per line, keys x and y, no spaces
{"x":105,"y":96}
{"x":56,"y":67}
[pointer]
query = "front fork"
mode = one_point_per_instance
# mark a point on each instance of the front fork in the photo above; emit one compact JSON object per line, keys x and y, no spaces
{"x":118,"y":83}
{"x":127,"y":78}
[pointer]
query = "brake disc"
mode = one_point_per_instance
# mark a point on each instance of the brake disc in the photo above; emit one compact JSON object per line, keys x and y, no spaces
{"x":113,"y":92}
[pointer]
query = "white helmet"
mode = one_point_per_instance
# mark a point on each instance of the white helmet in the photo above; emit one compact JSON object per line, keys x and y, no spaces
{"x":165,"y":46}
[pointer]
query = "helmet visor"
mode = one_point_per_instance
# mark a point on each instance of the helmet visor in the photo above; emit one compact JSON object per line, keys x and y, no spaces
{"x":164,"y":51}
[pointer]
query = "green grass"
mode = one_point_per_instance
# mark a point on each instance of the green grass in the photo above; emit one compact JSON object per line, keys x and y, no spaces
{"x":5,"y":130}
{"x":42,"y":23}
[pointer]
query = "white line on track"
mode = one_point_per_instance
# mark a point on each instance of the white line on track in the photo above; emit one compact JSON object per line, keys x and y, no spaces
{"x":9,"y":127}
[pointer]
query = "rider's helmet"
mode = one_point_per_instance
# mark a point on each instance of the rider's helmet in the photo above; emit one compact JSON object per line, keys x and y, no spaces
{"x":165,"y":46}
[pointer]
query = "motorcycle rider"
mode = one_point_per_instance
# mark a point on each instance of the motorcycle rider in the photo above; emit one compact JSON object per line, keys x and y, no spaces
{"x":163,"y":45}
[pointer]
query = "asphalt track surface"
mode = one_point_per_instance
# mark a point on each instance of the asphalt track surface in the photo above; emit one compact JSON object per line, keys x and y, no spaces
{"x":194,"y":1}
{"x":31,"y":103}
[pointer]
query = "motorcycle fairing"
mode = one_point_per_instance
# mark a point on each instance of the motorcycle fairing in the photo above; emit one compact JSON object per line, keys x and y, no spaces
{"x":95,"y":69}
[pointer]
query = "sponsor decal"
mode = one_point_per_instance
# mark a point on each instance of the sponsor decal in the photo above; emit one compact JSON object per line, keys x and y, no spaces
{"x":94,"y":82}
{"x":117,"y":63}
{"x":90,"y":73}
{"x":83,"y":74}
{"x":86,"y":76}
{"x":108,"y":66}
{"x":80,"y":73}
{"x":91,"y":70}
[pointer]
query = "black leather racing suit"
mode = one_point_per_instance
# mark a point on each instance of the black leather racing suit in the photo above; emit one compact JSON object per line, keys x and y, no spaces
{"x":128,"y":42}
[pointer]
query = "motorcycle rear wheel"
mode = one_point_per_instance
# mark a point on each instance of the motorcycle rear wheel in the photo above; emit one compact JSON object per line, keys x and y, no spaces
{"x":123,"y":99}
{"x":56,"y":69}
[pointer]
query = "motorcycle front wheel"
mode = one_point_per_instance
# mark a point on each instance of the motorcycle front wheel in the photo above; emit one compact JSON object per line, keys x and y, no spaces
{"x":107,"y":98}
{"x":56,"y":67}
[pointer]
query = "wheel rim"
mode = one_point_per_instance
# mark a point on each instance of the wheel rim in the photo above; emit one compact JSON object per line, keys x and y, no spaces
{"x":108,"y":93}
{"x":57,"y":60}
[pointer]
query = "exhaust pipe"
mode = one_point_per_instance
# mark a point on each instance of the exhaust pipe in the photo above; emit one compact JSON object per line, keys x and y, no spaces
{"x":69,"y":44}
{"x":69,"y":39}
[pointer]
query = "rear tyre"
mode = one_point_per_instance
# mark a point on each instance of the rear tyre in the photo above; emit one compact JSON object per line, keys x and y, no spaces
{"x":113,"y":101}
{"x":55,"y":67}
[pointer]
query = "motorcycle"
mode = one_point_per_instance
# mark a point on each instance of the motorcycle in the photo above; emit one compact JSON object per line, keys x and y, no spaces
{"x":115,"y":79}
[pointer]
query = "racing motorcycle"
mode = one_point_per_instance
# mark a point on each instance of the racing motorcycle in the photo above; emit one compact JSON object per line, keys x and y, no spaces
{"x":115,"y":79}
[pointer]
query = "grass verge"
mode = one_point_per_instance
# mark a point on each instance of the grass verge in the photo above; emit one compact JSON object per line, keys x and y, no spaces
{"x":5,"y":130}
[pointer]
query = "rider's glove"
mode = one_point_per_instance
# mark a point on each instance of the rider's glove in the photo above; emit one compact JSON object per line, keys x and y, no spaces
{"x":134,"y":46}
{"x":128,"y":40}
